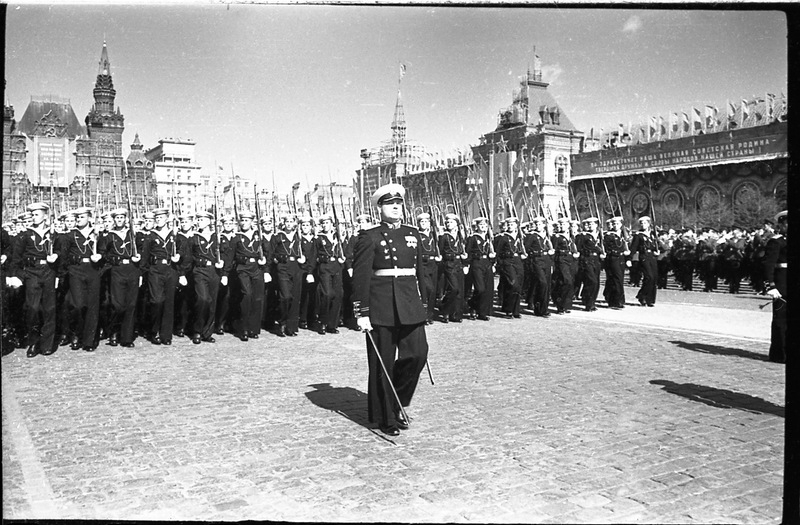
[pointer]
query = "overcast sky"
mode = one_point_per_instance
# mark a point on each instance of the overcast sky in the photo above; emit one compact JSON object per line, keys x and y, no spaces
{"x":302,"y":89}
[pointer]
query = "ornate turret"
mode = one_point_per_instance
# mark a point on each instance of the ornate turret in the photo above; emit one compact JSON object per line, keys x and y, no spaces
{"x":103,"y":115}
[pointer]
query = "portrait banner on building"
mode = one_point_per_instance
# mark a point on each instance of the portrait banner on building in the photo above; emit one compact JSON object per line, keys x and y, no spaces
{"x":704,"y":150}
{"x":51,"y":159}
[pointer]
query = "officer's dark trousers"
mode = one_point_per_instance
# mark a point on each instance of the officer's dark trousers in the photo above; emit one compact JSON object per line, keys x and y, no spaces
{"x":482,"y":287}
{"x":614,"y":290}
{"x":590,"y":273}
{"x":124,"y":292}
{"x":330,"y":293}
{"x":290,"y":284}
{"x":411,"y":345}
{"x":161,"y":282}
{"x":649,"y":267}
{"x":40,"y":301}
{"x":206,"y":287}
{"x":541,"y":270}
{"x":251,"y":286}
{"x":777,"y":345}
{"x":84,"y":298}
{"x":453,"y":301}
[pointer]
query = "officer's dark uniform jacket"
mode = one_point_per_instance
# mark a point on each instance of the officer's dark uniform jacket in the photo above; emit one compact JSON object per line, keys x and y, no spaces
{"x":387,"y":267}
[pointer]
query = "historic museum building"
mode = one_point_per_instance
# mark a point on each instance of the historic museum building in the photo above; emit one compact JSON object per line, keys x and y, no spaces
{"x":49,"y":155}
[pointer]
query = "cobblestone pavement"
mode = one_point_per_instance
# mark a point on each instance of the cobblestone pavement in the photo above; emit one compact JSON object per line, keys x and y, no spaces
{"x":606,"y":417}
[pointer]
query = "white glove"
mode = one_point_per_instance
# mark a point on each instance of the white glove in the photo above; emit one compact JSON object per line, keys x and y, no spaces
{"x":350,"y":272}
{"x":3,"y":259}
{"x":576,"y":255}
{"x":551,"y":252}
{"x":309,"y":278}
{"x":219,"y":264}
{"x":464,"y":255}
{"x":223,"y":280}
{"x":438,"y":258}
{"x":628,"y":264}
{"x":14,"y":282}
{"x":466,"y":270}
{"x":52,"y":257}
{"x":492,"y":255}
{"x":602,"y":256}
{"x":363,"y":324}
{"x":262,"y":261}
{"x":56,"y":282}
{"x":95,"y":257}
{"x":626,"y":252}
{"x":774,"y":293}
{"x":140,"y":281}
{"x":267,"y":277}
{"x":182,"y":280}
{"x":523,"y":256}
{"x":175,"y":258}
{"x":341,"y":260}
{"x":301,"y":259}
{"x":136,"y":258}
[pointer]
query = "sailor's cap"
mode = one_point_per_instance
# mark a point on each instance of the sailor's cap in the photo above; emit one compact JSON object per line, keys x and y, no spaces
{"x":423,"y":215}
{"x":38,"y":206}
{"x":118,"y":211}
{"x":781,"y":216}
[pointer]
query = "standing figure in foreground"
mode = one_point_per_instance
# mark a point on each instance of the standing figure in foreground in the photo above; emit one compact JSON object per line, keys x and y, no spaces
{"x":775,"y":259}
{"x":645,"y":244}
{"x":617,"y":253}
{"x":387,"y":267}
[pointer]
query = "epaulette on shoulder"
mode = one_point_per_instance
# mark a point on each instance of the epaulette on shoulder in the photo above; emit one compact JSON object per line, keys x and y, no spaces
{"x":370,"y":227}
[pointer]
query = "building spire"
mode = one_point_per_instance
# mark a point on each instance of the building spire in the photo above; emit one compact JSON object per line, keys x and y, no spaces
{"x":105,"y":65}
{"x":399,"y":126}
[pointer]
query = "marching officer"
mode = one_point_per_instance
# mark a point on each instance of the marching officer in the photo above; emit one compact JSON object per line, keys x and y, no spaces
{"x":160,"y":257}
{"x":33,"y":265}
{"x":617,"y":254}
{"x":120,"y":252}
{"x":387,"y":269}
{"x":287,"y":253}
{"x":250,"y":256}
{"x":592,"y":254}
{"x":207,"y":273}
{"x":510,"y":249}
{"x":539,"y":248}
{"x":451,"y":246}
{"x":645,"y":244}
{"x":775,"y":271}
{"x":80,"y":255}
{"x":330,"y":261}
{"x":481,"y":257}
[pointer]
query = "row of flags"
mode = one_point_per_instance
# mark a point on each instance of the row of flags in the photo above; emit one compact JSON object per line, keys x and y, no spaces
{"x":708,"y":119}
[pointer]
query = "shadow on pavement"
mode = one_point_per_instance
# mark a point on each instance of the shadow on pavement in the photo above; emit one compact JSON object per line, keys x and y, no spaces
{"x":721,"y":398}
{"x":720,"y":350}
{"x":346,"y":401}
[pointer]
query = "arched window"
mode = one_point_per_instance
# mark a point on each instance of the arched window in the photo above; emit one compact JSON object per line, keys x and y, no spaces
{"x":561,"y":169}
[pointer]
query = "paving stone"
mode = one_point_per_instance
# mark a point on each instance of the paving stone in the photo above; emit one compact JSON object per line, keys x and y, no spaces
{"x":563,"y":420}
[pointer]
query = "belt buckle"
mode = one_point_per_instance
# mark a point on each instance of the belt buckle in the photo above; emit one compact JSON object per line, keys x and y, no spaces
{"x":292,"y":259}
{"x":125,"y":261}
{"x":42,"y":261}
{"x":85,"y":260}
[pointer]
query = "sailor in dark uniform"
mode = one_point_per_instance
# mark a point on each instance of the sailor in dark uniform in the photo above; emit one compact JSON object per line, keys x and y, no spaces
{"x":645,"y":244}
{"x":160,"y":257}
{"x":510,"y":249}
{"x":387,"y":269}
{"x":481,"y":259}
{"x":230,"y":282}
{"x":590,"y":246}
{"x":287,"y":253}
{"x":33,"y":264}
{"x":120,"y":252}
{"x":330,"y":260}
{"x":775,"y":271}
{"x":617,"y":259}
{"x":566,"y":255}
{"x":430,"y":263}
{"x":184,"y":293}
{"x":250,"y":255}
{"x":451,"y":246}
{"x":308,"y":292}
{"x":539,"y":248}
{"x":207,"y":272}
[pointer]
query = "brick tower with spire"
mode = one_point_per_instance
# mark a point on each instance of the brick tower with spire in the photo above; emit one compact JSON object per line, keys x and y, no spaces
{"x":100,"y":163}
